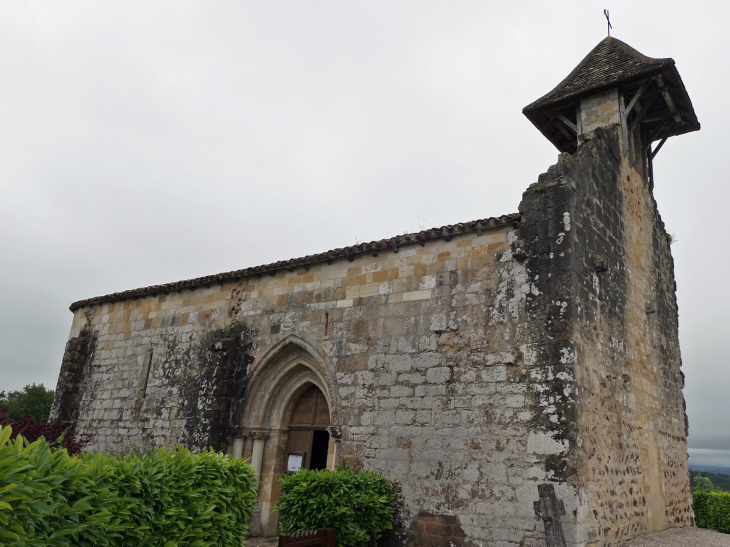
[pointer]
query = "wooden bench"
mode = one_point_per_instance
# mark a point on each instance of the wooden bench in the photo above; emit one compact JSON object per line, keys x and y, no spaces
{"x":325,"y":537}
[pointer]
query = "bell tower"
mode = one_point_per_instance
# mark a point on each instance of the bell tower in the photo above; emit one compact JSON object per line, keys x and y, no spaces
{"x":615,"y":84}
{"x":595,"y":244}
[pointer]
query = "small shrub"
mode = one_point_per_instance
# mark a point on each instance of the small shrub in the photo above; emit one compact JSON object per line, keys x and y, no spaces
{"x":357,"y":504}
{"x":185,"y":498}
{"x":712,"y":510}
{"x":166,"y":498}
{"x":45,"y":496}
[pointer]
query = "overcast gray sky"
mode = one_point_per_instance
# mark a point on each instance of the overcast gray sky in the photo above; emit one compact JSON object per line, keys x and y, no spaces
{"x":148,"y":142}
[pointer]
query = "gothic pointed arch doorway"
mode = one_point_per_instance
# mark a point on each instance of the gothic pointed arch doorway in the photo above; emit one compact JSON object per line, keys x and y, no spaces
{"x":308,"y":442}
{"x":287,"y":419}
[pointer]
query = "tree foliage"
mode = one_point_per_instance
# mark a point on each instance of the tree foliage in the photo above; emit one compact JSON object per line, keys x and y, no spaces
{"x":33,"y":400}
{"x":357,"y":504}
{"x":720,"y":481}
{"x":703,"y":485}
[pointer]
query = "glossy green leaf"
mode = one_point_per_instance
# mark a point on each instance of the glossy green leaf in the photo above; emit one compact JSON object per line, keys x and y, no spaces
{"x":165,"y":498}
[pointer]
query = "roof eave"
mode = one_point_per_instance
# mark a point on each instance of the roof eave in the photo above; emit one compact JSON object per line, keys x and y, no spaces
{"x":542,"y":129}
{"x":393,"y":243}
{"x":689,"y":110}
{"x":568,"y":99}
{"x":688,"y":113}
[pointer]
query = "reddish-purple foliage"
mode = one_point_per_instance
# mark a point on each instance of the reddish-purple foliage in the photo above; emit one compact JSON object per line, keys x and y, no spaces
{"x":52,"y":430}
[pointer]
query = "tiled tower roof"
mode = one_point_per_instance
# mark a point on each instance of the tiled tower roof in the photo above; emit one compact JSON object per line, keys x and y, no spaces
{"x":609,"y":65}
{"x":610,"y":62}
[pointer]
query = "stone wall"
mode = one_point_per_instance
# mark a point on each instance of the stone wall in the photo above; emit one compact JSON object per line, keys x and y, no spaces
{"x":633,"y":422}
{"x":73,"y":380}
{"x":429,"y":355}
{"x":153,"y":372}
{"x":592,"y":226}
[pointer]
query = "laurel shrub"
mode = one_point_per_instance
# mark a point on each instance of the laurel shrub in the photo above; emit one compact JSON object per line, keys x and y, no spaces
{"x":166,"y":498}
{"x":358,"y":504}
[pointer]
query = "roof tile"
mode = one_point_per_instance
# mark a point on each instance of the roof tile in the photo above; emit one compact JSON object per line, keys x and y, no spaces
{"x":610,"y":62}
{"x":390,"y":243}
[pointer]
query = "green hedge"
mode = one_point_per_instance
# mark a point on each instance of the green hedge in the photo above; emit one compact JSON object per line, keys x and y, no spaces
{"x":166,"y":498}
{"x":712,"y":510}
{"x":357,"y":504}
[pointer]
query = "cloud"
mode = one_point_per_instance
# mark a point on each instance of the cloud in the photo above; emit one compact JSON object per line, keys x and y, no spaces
{"x":709,"y":456}
{"x":143,"y":143}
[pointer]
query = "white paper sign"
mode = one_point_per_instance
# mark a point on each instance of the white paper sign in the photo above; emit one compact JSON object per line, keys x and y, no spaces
{"x":294,"y":463}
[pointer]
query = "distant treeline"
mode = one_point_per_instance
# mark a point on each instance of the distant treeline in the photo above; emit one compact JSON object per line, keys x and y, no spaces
{"x":719,"y":480}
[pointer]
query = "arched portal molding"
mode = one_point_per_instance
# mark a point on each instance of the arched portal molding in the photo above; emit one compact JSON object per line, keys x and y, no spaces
{"x":276,"y":383}
{"x":279,"y":377}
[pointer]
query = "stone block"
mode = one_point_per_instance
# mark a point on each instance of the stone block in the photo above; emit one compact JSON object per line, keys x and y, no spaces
{"x":414,"y":378}
{"x":417,"y":295}
{"x":404,"y":416}
{"x":439,"y":322}
{"x":495,"y":374}
{"x":438,"y":375}
{"x":427,"y":360}
{"x":424,"y":417}
{"x":386,"y":378}
{"x":401,"y":391}
{"x":384,"y":417}
{"x":398,"y":363}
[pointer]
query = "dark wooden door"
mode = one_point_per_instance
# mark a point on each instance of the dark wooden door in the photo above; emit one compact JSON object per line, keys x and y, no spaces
{"x":308,"y":435}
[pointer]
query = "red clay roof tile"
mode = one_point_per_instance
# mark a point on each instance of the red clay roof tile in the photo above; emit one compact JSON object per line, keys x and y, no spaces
{"x":305,"y":261}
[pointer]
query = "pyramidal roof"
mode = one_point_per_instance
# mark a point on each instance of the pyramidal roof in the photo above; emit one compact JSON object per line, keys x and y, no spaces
{"x":610,"y":62}
{"x":665,"y":108}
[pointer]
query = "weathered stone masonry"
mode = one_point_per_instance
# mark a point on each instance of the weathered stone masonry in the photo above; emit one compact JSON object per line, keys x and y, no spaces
{"x":613,"y":303}
{"x":468,"y":363}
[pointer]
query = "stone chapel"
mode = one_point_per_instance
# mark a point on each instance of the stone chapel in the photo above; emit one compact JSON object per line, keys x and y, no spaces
{"x":467,"y":363}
